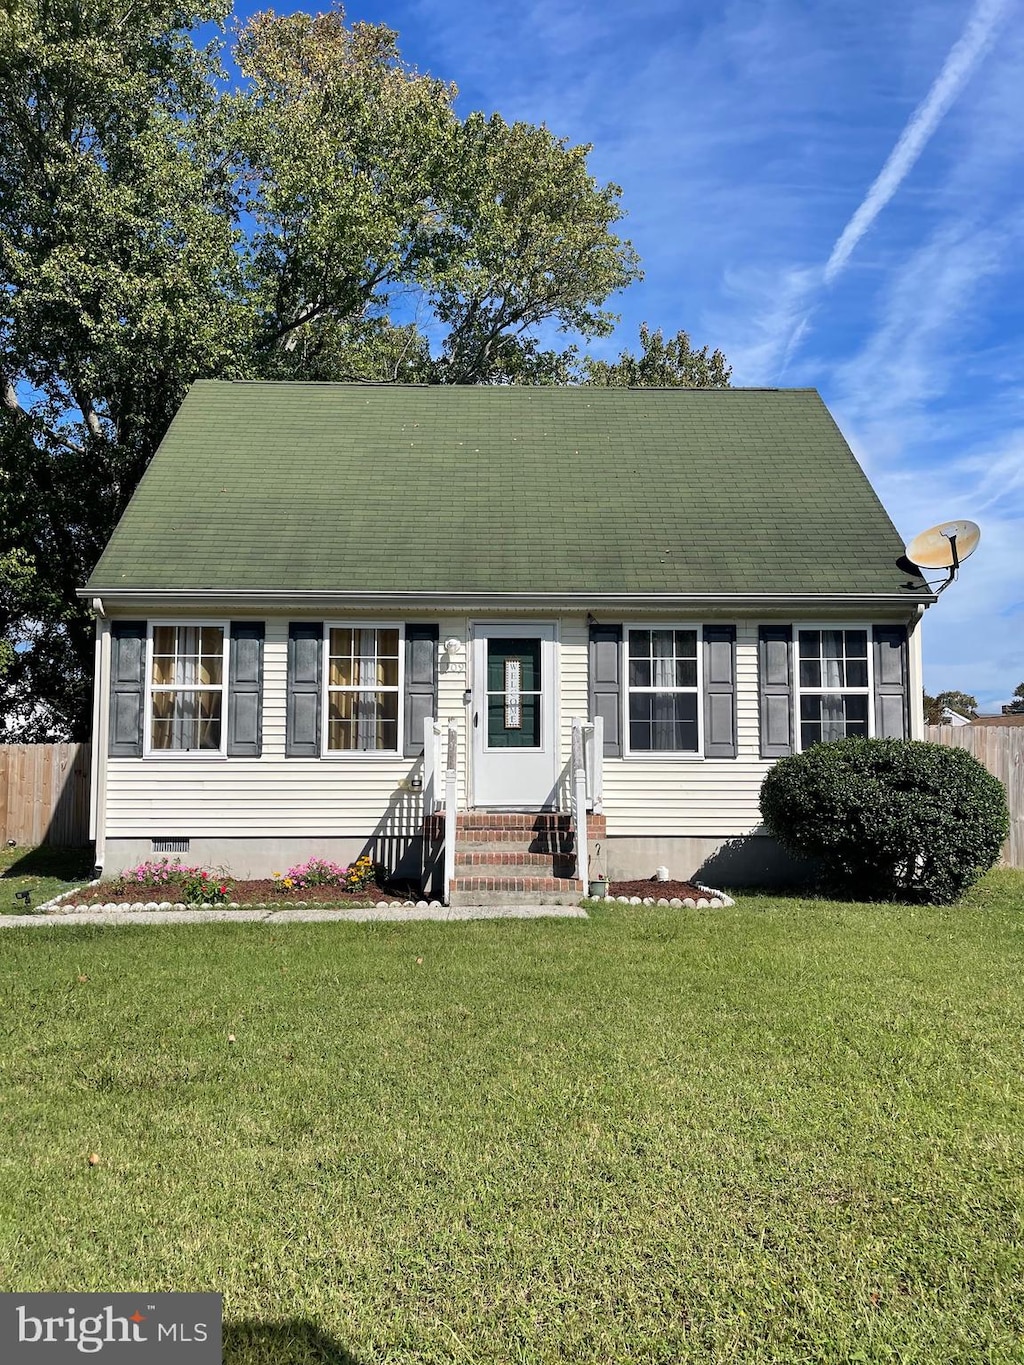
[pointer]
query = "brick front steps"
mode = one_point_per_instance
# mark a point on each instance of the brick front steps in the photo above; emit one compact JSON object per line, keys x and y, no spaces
{"x":508,"y":858}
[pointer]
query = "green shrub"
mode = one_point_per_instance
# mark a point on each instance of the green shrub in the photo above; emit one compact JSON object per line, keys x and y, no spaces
{"x":888,"y":819}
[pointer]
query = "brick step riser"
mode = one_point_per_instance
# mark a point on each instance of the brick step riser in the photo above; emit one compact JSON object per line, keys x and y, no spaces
{"x":501,"y":821}
{"x":498,"y":841}
{"x":551,"y":885}
{"x":470,"y":898}
{"x":504,"y":871}
{"x":504,"y":857}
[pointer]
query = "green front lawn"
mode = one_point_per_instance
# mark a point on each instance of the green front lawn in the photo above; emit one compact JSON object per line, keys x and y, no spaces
{"x":791,"y":1131}
{"x":43,"y":872}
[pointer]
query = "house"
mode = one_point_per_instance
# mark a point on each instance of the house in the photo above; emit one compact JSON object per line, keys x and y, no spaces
{"x":338,"y":618}
{"x":950,"y":717}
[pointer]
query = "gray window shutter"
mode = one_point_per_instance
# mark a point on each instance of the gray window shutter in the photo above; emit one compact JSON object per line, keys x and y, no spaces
{"x":776,"y":684}
{"x":719,"y":691}
{"x":606,"y":684}
{"x":245,"y":690}
{"x":302,"y":727}
{"x":420,"y":683}
{"x":891,"y":682}
{"x":127,"y":688}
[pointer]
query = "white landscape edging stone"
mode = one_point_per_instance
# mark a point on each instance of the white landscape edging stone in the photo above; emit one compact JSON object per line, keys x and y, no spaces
{"x":54,"y":905}
{"x":711,"y":900}
{"x":715,"y":898}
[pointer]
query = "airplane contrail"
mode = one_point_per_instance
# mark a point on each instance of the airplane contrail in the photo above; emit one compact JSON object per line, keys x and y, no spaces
{"x":963,"y":58}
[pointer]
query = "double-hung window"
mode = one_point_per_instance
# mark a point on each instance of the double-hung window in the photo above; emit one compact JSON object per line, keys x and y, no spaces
{"x":663,"y":690}
{"x":363,"y":682}
{"x":186,"y":689}
{"x":833,"y":682}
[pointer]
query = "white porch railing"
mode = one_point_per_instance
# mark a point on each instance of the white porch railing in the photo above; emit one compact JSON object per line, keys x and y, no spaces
{"x":450,"y":812}
{"x":440,"y":785}
{"x":585,"y":786}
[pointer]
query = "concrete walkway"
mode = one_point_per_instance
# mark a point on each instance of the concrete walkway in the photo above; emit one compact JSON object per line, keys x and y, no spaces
{"x":395,"y":913}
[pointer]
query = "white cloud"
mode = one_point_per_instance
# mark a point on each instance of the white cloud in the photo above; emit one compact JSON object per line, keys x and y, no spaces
{"x":886,"y":391}
{"x":964,"y":57}
{"x":769,"y":316}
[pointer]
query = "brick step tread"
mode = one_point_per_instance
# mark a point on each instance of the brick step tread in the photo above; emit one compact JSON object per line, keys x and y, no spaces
{"x":517,"y":857}
{"x":570,"y":885}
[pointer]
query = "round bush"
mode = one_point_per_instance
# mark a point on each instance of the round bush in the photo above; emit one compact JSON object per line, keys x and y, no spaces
{"x":889,"y":819}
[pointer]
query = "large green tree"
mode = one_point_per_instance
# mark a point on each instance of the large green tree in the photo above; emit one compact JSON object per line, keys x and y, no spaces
{"x":961,"y":702}
{"x":333,"y":217}
{"x":661,"y":364}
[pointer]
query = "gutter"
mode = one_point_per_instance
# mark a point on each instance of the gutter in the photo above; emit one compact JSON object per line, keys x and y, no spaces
{"x":296,"y":599}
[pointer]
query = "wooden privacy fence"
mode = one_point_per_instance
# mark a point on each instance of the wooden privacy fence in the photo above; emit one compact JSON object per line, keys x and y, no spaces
{"x":1001,"y":749}
{"x":44,"y":793}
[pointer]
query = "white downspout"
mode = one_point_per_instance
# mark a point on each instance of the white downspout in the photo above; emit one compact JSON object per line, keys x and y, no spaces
{"x":915,"y":674}
{"x":100,"y":734}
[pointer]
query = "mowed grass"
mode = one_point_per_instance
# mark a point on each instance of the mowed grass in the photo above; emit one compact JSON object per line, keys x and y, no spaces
{"x":43,"y":872}
{"x":788,"y":1131}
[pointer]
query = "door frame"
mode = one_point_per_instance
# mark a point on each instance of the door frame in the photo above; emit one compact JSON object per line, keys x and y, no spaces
{"x":550,"y":718}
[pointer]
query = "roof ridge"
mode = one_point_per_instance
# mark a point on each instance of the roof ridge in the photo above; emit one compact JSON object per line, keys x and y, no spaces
{"x":588,"y":389}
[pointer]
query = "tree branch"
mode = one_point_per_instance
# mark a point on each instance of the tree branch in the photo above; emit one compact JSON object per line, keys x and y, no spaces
{"x":9,"y":398}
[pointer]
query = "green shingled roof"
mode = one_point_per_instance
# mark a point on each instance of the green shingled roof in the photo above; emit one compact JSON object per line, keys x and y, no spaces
{"x":337,"y":487}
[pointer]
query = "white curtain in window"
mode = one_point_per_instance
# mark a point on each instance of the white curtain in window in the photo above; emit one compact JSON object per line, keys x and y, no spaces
{"x":833,"y":717}
{"x":663,"y":658}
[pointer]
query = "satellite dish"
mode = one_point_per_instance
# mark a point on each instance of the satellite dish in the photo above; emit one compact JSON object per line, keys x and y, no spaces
{"x":945,"y":546}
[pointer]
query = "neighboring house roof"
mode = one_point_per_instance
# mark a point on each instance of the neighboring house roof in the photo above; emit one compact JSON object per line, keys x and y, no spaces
{"x":951,"y":717}
{"x":444,"y":489}
{"x":1004,"y":719}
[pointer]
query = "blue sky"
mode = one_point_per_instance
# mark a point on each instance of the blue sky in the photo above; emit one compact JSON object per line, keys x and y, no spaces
{"x":834,"y":194}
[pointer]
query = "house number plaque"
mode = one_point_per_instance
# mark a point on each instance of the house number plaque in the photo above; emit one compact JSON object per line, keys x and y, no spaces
{"x":513,"y":693}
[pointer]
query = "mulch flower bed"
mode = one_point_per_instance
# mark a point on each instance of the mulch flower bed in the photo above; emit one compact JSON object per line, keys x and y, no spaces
{"x":659,"y":890}
{"x":269,"y":892}
{"x":266,"y":892}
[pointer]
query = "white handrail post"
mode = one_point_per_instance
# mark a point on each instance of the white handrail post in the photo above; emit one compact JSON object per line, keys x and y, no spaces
{"x":429,"y":765}
{"x":597,"y":764}
{"x":578,"y":797}
{"x":450,"y":797}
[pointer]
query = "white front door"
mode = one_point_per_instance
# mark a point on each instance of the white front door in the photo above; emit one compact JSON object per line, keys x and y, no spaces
{"x":515,"y":744}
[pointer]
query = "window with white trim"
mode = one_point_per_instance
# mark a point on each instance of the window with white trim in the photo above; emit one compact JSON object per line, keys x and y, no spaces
{"x":833,"y":685}
{"x":363,"y":681}
{"x":663,"y":690}
{"x":187,"y":679}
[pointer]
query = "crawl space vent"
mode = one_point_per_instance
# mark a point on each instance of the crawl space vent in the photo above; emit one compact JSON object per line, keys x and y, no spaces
{"x":178,"y":844}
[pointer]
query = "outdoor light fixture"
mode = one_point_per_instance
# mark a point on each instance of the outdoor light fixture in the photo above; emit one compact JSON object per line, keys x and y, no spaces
{"x":452,"y":646}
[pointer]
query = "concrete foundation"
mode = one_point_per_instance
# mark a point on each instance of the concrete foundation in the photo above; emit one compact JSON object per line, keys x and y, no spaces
{"x":746,"y":860}
{"x":251,"y":859}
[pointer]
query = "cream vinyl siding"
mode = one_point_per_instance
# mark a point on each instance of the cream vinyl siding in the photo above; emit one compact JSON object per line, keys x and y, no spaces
{"x":574,"y":670}
{"x":453,"y":677}
{"x":271,"y":795}
{"x":355,"y":795}
{"x":696,"y":797}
